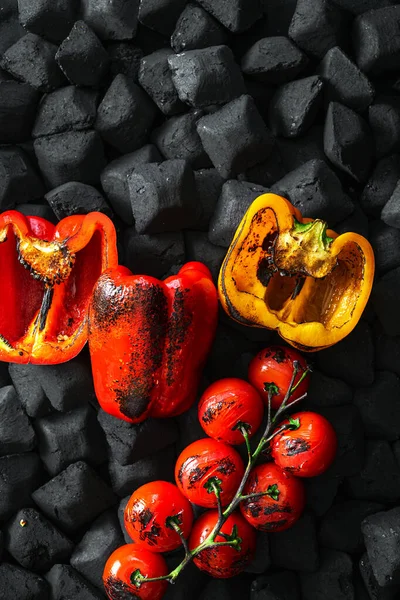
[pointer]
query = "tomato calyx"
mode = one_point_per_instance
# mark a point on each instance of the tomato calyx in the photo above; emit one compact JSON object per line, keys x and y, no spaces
{"x":270,"y":386}
{"x":293,"y":424}
{"x":137,"y":578}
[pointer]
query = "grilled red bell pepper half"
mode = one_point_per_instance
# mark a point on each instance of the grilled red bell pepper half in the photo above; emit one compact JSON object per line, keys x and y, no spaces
{"x":149,"y":339}
{"x":47,"y":277}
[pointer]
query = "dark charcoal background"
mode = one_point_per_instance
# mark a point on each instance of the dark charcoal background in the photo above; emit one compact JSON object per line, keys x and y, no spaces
{"x":98,"y":112}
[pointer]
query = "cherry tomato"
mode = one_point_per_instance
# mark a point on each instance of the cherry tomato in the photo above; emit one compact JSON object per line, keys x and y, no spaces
{"x":281,"y":507}
{"x":123,"y":562}
{"x":272,"y":369}
{"x":308,"y":450}
{"x":226,"y":403}
{"x":147,"y":516}
{"x":206,"y":460}
{"x":223,"y":561}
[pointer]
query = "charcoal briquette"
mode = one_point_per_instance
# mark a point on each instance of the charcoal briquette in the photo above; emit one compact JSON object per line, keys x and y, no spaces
{"x":381,"y":535}
{"x":51,"y":19}
{"x":376,"y":40}
{"x":274,"y":60}
{"x":379,"y":478}
{"x":32,"y":60}
{"x":125,"y":59}
{"x":29,"y":390}
{"x":208,"y":183}
{"x":20,"y":475}
{"x":391,"y":211}
{"x":18,"y":103}
{"x":321,"y":492}
{"x":332,"y":581}
{"x":348,"y":142}
{"x":283,"y":585}
{"x":34,"y":542}
{"x":65,"y":582}
{"x":295,"y":152}
{"x":153,"y":254}
{"x":19,"y":181}
{"x":16,"y":431}
{"x":384,"y":120}
{"x":380,"y":185}
{"x":375,"y":591}
{"x":16,"y":582}
{"x":385,"y":294}
{"x":199,"y":248}
{"x":5,"y":378}
{"x":379,"y":406}
{"x":297,"y":547}
{"x":227,"y":347}
{"x":155,"y":78}
{"x":98,"y":543}
{"x":235,"y":15}
{"x":327,"y":391}
{"x":387,"y":350}
{"x":116,"y":20}
{"x":160,"y":15}
{"x":358,"y":7}
{"x":357,"y":222}
{"x":196,"y":28}
{"x":125,"y":115}
{"x":316,"y":191}
{"x":344,"y":82}
{"x":74,"y":198}
{"x":191,"y":582}
{"x":206,"y":76}
{"x":120,"y":515}
{"x":190,"y":429}
{"x":262,"y":559}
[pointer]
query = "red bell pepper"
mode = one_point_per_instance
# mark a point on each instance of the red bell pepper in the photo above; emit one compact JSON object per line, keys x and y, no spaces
{"x":47,"y":277}
{"x":149,"y":339}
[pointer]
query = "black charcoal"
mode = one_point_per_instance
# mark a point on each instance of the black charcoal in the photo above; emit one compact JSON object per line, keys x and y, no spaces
{"x":315,"y":190}
{"x":379,"y":479}
{"x":51,"y":19}
{"x":125,"y":59}
{"x":347,"y":141}
{"x":297,"y":547}
{"x":114,"y":179}
{"x":29,"y":390}
{"x":34,"y":542}
{"x":67,"y":109}
{"x":357,"y":222}
{"x":295,"y":152}
{"x":274,"y":60}
{"x":340,"y":527}
{"x":382,"y":539}
{"x":32,"y":60}
{"x":120,"y":515}
{"x":18,"y":102}
{"x":380,"y":185}
{"x":71,"y":156}
{"x":235,"y":199}
{"x":74,"y":497}
{"x":376,"y":40}
{"x":385,"y":295}
{"x":235,"y":137}
{"x":387,"y":351}
{"x":391,"y":211}
{"x":206,"y":76}
{"x":218,"y":589}
{"x":196,"y":28}
{"x":69,"y":437}
{"x":19,"y":181}
{"x":38,"y":210}
{"x":190,"y":429}
{"x":379,"y":406}
{"x":11,"y":30}
{"x":16,"y":432}
{"x":20,"y":475}
{"x":74,"y":198}
{"x":125,"y":115}
{"x":162,"y":196}
{"x":332,"y":581}
{"x":153,"y":254}
{"x":65,"y":582}
{"x":227,"y":347}
{"x":294,"y":106}
{"x":155,"y":78}
{"x":81,"y":56}
{"x":321,"y":492}
{"x":283,"y":585}
{"x":160,"y":15}
{"x":357,"y":7}
{"x":98,"y":543}
{"x":178,"y":138}
{"x":235,"y":15}
{"x":384,"y":120}
{"x":344,"y":82}
{"x":375,"y":591}
{"x":16,"y":582}
{"x":208,"y":183}
{"x":350,"y":454}
{"x":129,"y":443}
{"x":262,"y":559}
{"x":4,"y":375}
{"x":327,"y":391}
{"x":199,"y":248}
{"x":192,"y":580}
{"x":111,"y":21}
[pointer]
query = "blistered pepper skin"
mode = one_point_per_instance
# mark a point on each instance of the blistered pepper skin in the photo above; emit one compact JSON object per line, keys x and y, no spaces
{"x":149,"y":340}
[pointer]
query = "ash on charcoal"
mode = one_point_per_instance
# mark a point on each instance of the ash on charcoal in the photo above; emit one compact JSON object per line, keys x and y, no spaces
{"x":29,"y":390}
{"x":162,"y":196}
{"x":384,"y":120}
{"x":348,"y":141}
{"x":74,"y":198}
{"x":65,"y":582}
{"x":297,"y":547}
{"x":199,"y":248}
{"x":332,"y":581}
{"x":376,"y":40}
{"x":274,"y":60}
{"x":344,"y":82}
{"x":34,"y":542}
{"x":235,"y":15}
{"x":380,"y":185}
{"x":357,"y":222}
{"x":116,"y":20}
{"x":120,"y":516}
{"x":18,"y":103}
{"x":19,"y":181}
{"x":161,"y":15}
{"x":340,"y":527}
{"x":125,"y":59}
{"x":382,"y":539}
{"x":375,"y":591}
{"x":206,"y":76}
{"x":129,"y":443}
{"x":321,"y":492}
{"x":196,"y":28}
{"x":153,"y":254}
{"x":16,"y":582}
{"x":98,"y":543}
{"x":125,"y":115}
{"x":69,"y":437}
{"x":276,"y":586}
{"x":262,"y":559}
{"x":20,"y":475}
{"x":74,"y":497}
{"x":235,"y":137}
{"x":16,"y":432}
{"x":385,"y":294}
{"x":391,"y":211}
{"x":379,"y":406}
{"x":155,"y":78}
{"x":51,"y":19}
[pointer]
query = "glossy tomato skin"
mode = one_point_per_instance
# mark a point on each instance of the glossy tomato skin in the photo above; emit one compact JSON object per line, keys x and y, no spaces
{"x":227,"y":402}
{"x":123,"y":562}
{"x":309,"y":450}
{"x":223,"y":561}
{"x":147,"y":512}
{"x":273,"y":367}
{"x":202,"y":460}
{"x":268,"y":514}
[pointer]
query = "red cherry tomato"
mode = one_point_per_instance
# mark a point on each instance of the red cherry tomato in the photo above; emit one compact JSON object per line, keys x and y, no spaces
{"x":208,"y":459}
{"x":223,"y":561}
{"x":147,"y":512}
{"x":281,"y":507}
{"x":123,"y":562}
{"x":272,"y":369}
{"x":308,"y":450}
{"x":227,"y":402}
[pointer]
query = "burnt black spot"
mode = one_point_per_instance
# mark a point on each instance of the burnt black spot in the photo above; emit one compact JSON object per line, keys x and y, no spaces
{"x":119,"y":590}
{"x":279,"y":355}
{"x":213,"y":411}
{"x":240,"y":563}
{"x":294,"y":446}
{"x":273,"y":525}
{"x":178,"y":329}
{"x":271,"y":509}
{"x":253,"y":507}
{"x":226,"y":466}
{"x":196,"y":474}
{"x":145,"y":517}
{"x":151,"y":536}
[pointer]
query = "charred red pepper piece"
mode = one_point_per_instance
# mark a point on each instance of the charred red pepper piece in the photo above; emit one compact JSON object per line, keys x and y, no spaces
{"x":47,"y":277}
{"x":149,"y":339}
